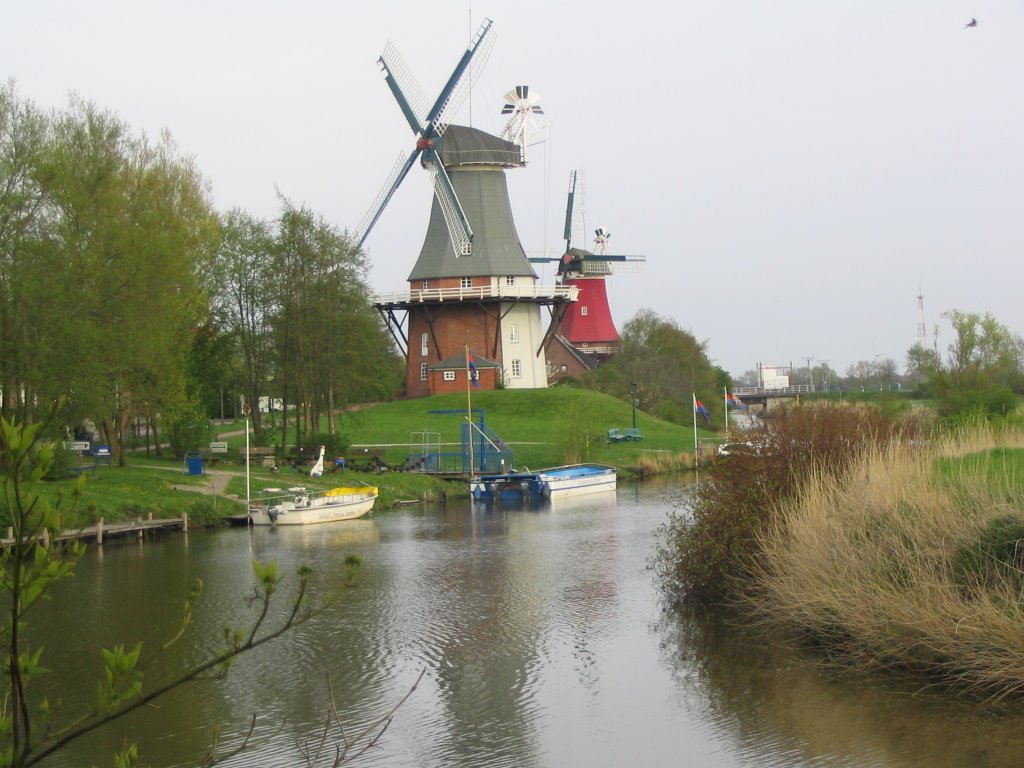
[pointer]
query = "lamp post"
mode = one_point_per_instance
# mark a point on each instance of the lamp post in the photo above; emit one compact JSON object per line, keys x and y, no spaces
{"x":632,"y":391}
{"x":810,"y":372}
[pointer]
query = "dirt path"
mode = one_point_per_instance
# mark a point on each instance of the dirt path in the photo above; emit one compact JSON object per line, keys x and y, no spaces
{"x":217,"y":483}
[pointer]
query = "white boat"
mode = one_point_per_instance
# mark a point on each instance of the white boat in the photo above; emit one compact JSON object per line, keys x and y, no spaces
{"x":577,"y":480}
{"x":552,"y":483}
{"x":298,"y":506}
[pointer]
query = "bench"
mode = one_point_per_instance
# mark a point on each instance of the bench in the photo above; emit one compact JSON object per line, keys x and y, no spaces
{"x":262,"y":454}
{"x":624,"y":435}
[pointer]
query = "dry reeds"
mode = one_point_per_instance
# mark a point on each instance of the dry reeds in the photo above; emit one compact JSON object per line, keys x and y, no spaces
{"x":894,"y":564}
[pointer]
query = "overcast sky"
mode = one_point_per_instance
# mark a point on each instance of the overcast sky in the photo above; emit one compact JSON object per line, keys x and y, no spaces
{"x":794,"y":171}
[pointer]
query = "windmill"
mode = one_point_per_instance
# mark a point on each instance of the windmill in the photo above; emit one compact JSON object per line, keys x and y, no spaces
{"x":588,"y":323}
{"x":521,"y":104}
{"x":472,"y":289}
{"x":429,"y":125}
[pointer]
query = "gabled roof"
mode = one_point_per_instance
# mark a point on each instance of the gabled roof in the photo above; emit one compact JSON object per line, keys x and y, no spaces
{"x":458,"y":362}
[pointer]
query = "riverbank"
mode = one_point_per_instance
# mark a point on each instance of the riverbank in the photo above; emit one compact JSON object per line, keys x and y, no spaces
{"x":911,"y":560}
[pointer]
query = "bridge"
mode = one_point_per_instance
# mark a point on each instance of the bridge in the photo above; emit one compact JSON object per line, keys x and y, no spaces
{"x":762,"y":395}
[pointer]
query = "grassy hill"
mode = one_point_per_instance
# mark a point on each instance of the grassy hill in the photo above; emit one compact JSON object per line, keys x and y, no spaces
{"x":544,"y":427}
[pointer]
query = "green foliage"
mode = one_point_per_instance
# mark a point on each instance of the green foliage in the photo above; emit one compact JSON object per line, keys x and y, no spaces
{"x":667,"y":364}
{"x":709,"y":548}
{"x":189,"y":430}
{"x":995,"y":558}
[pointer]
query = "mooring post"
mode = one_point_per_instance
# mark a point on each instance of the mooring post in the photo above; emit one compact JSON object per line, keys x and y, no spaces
{"x":184,"y":522}
{"x":10,"y":532}
{"x":138,"y":533}
{"x":99,"y":531}
{"x":46,"y":538}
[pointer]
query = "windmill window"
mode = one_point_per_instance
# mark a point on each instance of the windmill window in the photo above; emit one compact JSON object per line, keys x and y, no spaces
{"x":513,"y":333}
{"x":449,"y":375}
{"x":424,"y":344}
{"x":565,"y":368}
{"x":426,"y":284}
{"x":517,"y":369}
{"x":423,"y":371}
{"x":510,"y":280}
{"x":466,"y":282}
{"x":583,"y":311}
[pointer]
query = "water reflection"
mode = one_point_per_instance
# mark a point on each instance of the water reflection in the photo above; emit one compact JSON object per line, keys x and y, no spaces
{"x":543,"y":640}
{"x":778,"y":708}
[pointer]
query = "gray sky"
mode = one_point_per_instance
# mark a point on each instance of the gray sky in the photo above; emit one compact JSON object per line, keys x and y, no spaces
{"x":793,"y":171}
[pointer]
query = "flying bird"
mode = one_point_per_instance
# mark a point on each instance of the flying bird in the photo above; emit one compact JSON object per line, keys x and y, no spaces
{"x":972,"y":23}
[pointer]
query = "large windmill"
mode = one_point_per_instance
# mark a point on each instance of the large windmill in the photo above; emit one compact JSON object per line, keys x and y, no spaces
{"x":472,"y":289}
{"x":587,"y":323}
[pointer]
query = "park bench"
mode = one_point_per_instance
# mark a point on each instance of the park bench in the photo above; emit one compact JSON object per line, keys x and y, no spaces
{"x":632,"y":434}
{"x":615,"y":435}
{"x":262,"y":454}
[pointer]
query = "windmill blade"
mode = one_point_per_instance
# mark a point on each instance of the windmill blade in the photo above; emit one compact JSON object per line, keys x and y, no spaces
{"x":398,"y":173}
{"x":567,"y":233}
{"x":458,"y":225}
{"x":404,"y":87}
{"x":457,"y":87}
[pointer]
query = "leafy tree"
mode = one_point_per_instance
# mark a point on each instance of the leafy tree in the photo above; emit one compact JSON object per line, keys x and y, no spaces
{"x":667,"y":364}
{"x":244,"y":289}
{"x":982,"y":369}
{"x":23,"y":134}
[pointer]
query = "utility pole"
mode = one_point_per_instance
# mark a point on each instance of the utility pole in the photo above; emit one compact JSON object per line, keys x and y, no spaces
{"x":810,"y":373}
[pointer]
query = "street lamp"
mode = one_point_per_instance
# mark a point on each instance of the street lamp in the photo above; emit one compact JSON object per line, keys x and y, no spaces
{"x":810,"y":373}
{"x":632,"y":391}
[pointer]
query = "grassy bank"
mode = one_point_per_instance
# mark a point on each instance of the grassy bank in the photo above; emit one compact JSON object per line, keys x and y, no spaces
{"x":543,"y":427}
{"x":912,"y":559}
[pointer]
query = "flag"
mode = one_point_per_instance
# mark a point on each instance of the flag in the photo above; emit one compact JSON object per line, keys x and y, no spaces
{"x":734,"y":402}
{"x":473,"y":375}
{"x":698,"y":407}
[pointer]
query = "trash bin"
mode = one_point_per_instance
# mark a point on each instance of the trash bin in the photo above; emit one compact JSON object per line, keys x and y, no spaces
{"x":194,"y":463}
{"x":339,"y":464}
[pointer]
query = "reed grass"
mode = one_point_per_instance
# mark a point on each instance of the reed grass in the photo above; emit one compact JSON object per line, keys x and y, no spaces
{"x":897,"y":563}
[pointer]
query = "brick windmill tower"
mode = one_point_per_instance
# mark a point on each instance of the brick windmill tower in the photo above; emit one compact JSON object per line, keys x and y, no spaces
{"x":587,"y":324}
{"x":472,"y":289}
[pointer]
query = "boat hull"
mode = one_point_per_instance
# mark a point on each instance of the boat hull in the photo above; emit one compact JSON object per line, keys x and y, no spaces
{"x":552,"y":483}
{"x":334,"y":506}
{"x":578,"y":480}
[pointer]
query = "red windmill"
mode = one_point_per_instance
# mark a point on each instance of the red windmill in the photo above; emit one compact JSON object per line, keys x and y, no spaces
{"x":587,"y":324}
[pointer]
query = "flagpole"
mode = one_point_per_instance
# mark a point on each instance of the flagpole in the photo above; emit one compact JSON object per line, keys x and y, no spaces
{"x":469,"y":411}
{"x":696,"y":455}
{"x":725,"y":395}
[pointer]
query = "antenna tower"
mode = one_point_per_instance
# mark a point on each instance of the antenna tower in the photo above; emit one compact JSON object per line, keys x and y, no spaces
{"x":922,"y":334}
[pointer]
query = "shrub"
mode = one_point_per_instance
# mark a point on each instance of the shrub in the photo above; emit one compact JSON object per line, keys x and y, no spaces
{"x":708,"y":549}
{"x":997,"y":555}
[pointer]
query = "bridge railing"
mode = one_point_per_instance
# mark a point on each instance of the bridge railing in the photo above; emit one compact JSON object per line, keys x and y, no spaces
{"x":795,"y":389}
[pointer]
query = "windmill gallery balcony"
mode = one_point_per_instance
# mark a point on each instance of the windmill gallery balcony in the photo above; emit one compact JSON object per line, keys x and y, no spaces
{"x":540,"y":294}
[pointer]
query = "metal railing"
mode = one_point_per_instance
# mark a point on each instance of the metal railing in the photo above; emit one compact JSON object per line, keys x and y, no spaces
{"x":793,"y":389}
{"x":437,"y":295}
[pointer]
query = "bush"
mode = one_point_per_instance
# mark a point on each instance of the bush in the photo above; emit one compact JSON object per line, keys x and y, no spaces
{"x":996,"y":557}
{"x":708,"y":549}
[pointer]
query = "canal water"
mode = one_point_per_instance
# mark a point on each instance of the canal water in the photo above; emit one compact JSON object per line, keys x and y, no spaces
{"x":540,"y":635}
